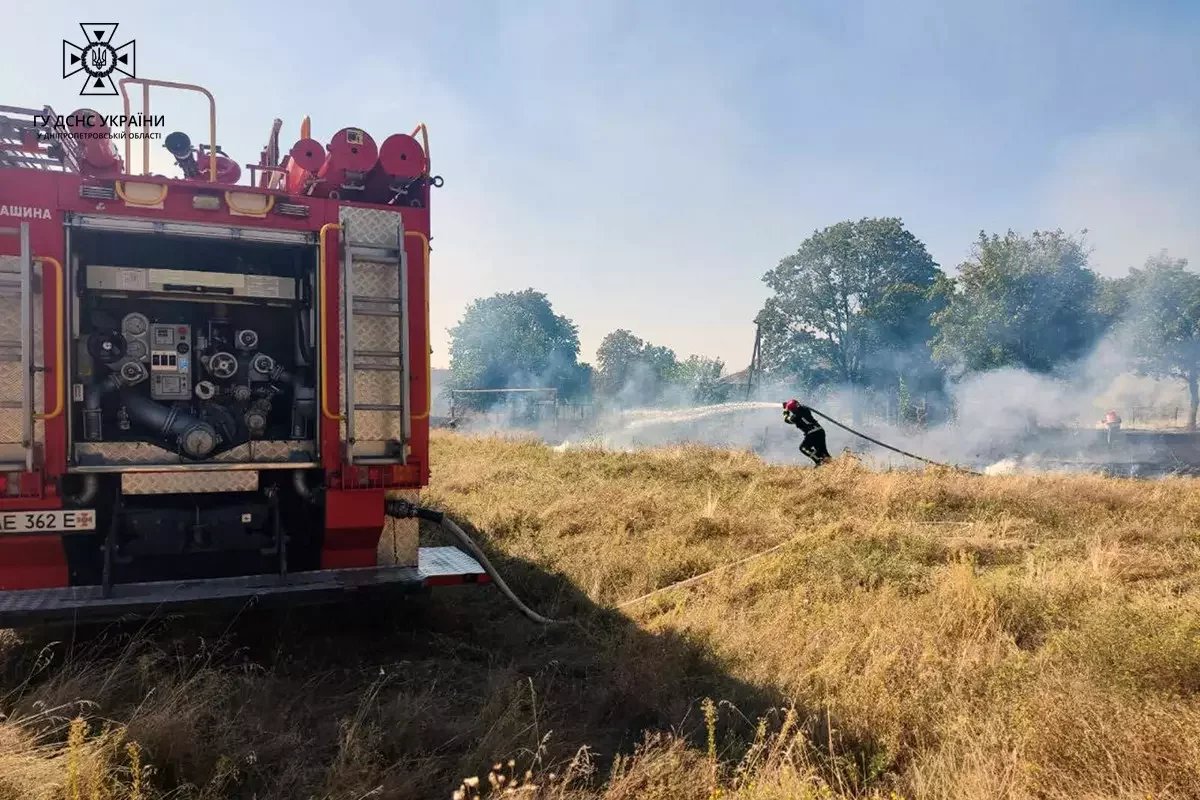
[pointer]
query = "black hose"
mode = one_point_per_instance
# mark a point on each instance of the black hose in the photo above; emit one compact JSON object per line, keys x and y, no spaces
{"x":93,"y":397}
{"x":196,"y":437}
{"x":893,"y":449}
{"x":402,"y":509}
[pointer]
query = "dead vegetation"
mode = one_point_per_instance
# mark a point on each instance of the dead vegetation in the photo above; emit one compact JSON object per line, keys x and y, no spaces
{"x":923,"y":634}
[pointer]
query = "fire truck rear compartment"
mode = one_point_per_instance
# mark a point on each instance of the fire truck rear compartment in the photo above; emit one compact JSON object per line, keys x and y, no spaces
{"x":187,"y":355}
{"x":196,"y":347}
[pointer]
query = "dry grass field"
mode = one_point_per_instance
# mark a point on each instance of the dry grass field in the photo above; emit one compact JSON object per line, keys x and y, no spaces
{"x":917,"y":634}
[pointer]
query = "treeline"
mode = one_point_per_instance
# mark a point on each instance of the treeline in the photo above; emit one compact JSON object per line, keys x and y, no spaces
{"x":515,"y":340}
{"x":861,"y":304}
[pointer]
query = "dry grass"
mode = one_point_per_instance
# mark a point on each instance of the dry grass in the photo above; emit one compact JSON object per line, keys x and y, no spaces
{"x":920,"y":635}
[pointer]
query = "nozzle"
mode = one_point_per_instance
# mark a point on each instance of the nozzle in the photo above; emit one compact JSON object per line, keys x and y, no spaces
{"x":179,"y":145}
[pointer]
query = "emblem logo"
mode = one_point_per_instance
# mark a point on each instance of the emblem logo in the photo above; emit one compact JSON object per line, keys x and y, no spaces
{"x":99,"y":59}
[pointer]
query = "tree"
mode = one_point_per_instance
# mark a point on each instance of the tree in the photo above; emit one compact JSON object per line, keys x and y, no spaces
{"x":515,"y":340}
{"x":615,"y":358}
{"x":700,"y":378}
{"x":632,"y":370}
{"x":1113,"y":296}
{"x":1163,"y":322}
{"x":1029,"y":303}
{"x":852,"y":306}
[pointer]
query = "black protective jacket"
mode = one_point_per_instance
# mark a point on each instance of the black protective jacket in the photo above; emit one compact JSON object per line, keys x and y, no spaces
{"x":803,"y":419}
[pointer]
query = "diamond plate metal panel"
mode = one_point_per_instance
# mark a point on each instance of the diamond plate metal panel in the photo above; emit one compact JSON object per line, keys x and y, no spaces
{"x":374,"y":386}
{"x":241,"y":480}
{"x":379,"y":334}
{"x":375,"y":279}
{"x":11,"y":379}
{"x":444,"y":561}
{"x":133,"y":453}
{"x":371,"y":225}
{"x":95,"y":453}
{"x":377,"y":426}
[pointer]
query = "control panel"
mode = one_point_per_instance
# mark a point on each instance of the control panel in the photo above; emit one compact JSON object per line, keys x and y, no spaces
{"x":170,"y":361}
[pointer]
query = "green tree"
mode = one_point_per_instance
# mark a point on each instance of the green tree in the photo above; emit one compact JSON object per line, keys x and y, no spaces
{"x":700,"y":378}
{"x":631,"y":370}
{"x":852,"y":306}
{"x":515,"y":340}
{"x":1026,"y":302}
{"x":615,"y":358}
{"x":1163,"y":321}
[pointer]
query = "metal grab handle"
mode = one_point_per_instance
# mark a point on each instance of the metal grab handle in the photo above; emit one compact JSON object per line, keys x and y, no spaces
{"x":405,"y":345}
{"x":324,"y":322}
{"x":421,"y":129}
{"x":146,"y":83}
{"x":26,"y":347}
{"x":60,"y":330}
{"x":347,"y":322}
{"x":428,"y":361}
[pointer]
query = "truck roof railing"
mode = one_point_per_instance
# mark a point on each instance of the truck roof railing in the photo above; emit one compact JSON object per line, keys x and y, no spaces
{"x":30,"y":140}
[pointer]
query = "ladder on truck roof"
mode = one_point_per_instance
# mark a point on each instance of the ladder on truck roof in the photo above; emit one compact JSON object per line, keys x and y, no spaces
{"x":375,"y":341}
{"x":30,"y":139}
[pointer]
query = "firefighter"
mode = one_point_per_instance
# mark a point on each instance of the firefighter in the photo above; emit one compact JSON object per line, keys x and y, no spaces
{"x":813,"y":444}
{"x":1112,"y":421}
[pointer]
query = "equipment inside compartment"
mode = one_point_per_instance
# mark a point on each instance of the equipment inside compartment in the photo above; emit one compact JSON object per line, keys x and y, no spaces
{"x":198,"y":348}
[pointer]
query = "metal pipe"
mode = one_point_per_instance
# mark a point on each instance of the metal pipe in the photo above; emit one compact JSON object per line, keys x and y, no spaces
{"x":300,"y":483}
{"x":26,"y":347}
{"x":60,"y":331}
{"x":323,"y":321}
{"x":93,"y":397}
{"x":428,"y":360}
{"x":421,"y":129}
{"x":91,"y":485}
{"x":146,"y":130}
{"x":212,"y":120}
{"x":197,"y":438}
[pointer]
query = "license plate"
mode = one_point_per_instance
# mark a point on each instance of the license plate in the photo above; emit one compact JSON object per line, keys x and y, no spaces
{"x":81,"y":519}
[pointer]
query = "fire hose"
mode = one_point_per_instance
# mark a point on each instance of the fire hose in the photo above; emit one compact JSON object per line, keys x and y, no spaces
{"x":402,"y":509}
{"x":887,"y":446}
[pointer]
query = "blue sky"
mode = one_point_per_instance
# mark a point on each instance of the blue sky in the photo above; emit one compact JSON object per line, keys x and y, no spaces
{"x":644,"y":163}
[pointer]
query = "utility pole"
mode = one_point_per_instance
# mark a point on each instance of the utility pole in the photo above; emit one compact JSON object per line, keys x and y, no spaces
{"x":755,"y":359}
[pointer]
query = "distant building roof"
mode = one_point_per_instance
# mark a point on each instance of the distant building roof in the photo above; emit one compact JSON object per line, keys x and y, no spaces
{"x":737,"y":378}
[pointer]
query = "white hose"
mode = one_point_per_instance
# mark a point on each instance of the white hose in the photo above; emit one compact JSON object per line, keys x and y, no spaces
{"x":466,"y":542}
{"x":402,"y":509}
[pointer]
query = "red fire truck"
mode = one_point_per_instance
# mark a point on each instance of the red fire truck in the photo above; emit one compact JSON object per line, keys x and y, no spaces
{"x":209,"y":387}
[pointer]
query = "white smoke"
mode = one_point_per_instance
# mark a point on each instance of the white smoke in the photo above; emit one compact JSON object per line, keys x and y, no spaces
{"x":1007,"y":421}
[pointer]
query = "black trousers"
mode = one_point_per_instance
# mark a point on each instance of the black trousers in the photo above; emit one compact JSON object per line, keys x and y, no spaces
{"x":813,"y":446}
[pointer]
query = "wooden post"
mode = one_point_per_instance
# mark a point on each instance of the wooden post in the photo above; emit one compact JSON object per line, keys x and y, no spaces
{"x":755,"y":358}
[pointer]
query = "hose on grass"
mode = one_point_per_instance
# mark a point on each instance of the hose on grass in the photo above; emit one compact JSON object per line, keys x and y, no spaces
{"x":887,"y":446}
{"x":402,"y":509}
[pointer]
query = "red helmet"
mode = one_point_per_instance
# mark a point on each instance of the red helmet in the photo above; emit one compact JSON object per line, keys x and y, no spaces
{"x":791,"y":405}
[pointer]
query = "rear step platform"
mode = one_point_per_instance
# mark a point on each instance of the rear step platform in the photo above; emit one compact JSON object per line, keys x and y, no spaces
{"x":436,"y":566}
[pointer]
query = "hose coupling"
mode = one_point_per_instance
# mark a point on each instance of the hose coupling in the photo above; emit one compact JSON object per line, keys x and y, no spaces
{"x":403,"y":509}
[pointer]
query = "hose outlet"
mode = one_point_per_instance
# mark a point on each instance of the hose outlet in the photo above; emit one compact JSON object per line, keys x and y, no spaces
{"x":403,"y":509}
